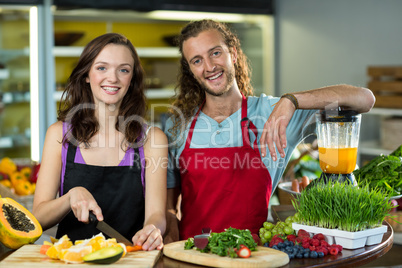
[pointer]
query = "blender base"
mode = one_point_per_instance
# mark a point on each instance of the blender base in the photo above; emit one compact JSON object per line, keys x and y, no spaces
{"x":329,"y":177}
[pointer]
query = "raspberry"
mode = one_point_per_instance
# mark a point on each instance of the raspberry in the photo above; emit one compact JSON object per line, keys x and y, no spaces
{"x":333,"y":251}
{"x":319,"y":236}
{"x":314,"y":242}
{"x":324,"y":243}
{"x":291,"y":237}
{"x":305,"y":240}
{"x":305,"y":245}
{"x":325,"y":251}
{"x":312,"y":248}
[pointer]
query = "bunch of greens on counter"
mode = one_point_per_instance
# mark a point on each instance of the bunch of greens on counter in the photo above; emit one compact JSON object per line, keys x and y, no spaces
{"x":342,"y":206}
{"x":383,"y":172}
{"x":226,"y":243}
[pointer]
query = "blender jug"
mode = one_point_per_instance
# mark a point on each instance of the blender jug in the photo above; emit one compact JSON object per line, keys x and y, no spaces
{"x":338,"y":139}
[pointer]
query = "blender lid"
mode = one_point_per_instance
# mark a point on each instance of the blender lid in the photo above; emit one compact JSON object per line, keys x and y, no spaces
{"x":339,"y":116}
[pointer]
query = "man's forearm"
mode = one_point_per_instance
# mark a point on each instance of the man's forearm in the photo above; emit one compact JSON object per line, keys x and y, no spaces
{"x":331,"y":97}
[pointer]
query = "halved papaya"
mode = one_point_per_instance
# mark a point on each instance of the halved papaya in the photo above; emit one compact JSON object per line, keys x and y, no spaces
{"x":18,"y":226}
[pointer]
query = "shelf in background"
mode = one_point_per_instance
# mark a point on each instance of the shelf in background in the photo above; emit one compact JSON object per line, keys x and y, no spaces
{"x":10,"y":54}
{"x":372,"y":148}
{"x":146,"y":52}
{"x":162,"y":93}
{"x":385,"y":111}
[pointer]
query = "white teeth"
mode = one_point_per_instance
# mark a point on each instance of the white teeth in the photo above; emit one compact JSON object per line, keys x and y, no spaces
{"x":110,"y":88}
{"x":215,"y":76}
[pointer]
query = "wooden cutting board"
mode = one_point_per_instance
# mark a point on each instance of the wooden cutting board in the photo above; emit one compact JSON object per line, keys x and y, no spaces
{"x":263,"y":257}
{"x":29,"y":256}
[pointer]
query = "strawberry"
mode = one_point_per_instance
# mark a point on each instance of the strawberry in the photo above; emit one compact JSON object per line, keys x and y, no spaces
{"x":244,"y":252}
{"x":303,"y":233}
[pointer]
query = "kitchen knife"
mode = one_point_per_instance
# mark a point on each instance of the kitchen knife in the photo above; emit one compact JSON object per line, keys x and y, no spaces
{"x":108,"y":230}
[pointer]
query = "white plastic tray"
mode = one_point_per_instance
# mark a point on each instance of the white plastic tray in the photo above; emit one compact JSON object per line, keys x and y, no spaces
{"x":349,"y":240}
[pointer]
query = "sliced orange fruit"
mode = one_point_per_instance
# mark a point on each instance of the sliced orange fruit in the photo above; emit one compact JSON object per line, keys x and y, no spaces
{"x":75,"y":254}
{"x":44,"y":248}
{"x":54,"y":251}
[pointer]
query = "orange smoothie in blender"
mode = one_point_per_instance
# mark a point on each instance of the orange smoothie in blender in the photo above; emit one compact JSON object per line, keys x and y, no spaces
{"x":337,"y":160}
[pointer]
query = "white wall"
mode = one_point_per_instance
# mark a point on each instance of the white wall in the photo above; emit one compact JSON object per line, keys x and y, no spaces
{"x":324,"y":42}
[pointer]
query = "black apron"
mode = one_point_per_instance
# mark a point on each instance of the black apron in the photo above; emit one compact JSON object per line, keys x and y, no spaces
{"x":118,"y":190}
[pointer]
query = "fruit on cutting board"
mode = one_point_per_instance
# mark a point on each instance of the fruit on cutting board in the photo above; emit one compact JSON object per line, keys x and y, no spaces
{"x":64,"y":249}
{"x":17,"y":225}
{"x":105,"y":255}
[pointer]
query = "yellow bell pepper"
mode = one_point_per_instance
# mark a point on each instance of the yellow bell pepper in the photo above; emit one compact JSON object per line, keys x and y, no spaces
{"x":7,"y":166}
{"x":16,"y":177}
{"x":6,"y":183}
{"x":23,"y":188}
{"x":26,"y":172}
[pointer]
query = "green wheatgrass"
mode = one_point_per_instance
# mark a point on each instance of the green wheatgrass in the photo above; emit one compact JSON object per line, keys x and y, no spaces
{"x":341,"y":206}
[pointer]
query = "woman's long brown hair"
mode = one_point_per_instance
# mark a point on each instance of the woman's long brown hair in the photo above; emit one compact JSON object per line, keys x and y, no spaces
{"x":189,"y":93}
{"x":77,"y":103}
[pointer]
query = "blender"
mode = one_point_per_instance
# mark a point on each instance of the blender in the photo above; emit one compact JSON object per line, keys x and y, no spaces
{"x":337,"y":138}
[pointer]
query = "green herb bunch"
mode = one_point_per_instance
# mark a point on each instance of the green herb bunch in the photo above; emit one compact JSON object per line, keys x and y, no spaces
{"x":224,"y":243}
{"x":342,"y":206}
{"x":383,"y":172}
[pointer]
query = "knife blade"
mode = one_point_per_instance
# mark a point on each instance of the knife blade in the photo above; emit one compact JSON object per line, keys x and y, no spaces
{"x":108,"y":230}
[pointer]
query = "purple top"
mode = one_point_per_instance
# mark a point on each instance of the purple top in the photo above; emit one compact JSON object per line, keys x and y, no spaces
{"x":126,"y":161}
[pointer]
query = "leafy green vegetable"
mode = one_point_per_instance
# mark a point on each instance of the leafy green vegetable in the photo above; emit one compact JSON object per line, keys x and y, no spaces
{"x":308,"y":166}
{"x":225,"y":243}
{"x":383,"y":172}
{"x":189,"y":244}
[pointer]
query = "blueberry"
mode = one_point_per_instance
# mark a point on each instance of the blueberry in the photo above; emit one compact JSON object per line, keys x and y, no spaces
{"x":299,"y":255}
{"x":289,"y":249}
{"x":320,"y":254}
{"x":291,"y":256}
{"x":295,"y":250}
{"x":291,"y":243}
{"x":275,"y":247}
{"x":306,"y":255}
{"x":266,"y":244}
{"x":281,"y":245}
{"x":287,"y":243}
{"x":313,"y":254}
{"x":306,"y":250}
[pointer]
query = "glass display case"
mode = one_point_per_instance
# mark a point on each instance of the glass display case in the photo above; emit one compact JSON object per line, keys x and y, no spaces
{"x":15,"y":131}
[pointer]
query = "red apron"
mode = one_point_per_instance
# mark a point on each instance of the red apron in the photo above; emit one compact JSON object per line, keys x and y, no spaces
{"x":224,"y":187}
